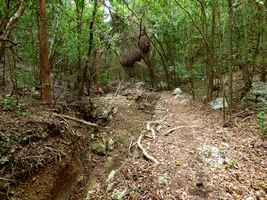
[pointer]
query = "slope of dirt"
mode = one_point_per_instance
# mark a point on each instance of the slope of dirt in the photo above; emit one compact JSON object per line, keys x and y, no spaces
{"x":34,"y":151}
{"x":45,"y":155}
{"x":198,"y":158}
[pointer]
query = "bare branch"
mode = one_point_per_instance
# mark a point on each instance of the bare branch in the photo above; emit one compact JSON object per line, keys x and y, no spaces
{"x":13,"y":20}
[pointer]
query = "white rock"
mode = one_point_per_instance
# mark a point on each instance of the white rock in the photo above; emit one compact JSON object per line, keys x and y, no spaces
{"x":217,"y":104}
{"x":212,"y":155}
{"x":177,"y":92}
{"x":118,"y":195}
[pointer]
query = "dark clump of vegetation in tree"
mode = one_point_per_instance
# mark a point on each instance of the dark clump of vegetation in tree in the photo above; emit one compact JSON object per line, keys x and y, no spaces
{"x":85,"y":83}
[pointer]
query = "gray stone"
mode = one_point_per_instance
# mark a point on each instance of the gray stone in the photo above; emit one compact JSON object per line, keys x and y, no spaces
{"x":257,"y":96}
{"x":217,"y":104}
{"x":213,"y":156}
{"x":163,"y":180}
{"x":177,"y":92}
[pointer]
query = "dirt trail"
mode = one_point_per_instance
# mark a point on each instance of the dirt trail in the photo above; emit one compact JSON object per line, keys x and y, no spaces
{"x":199,"y":159}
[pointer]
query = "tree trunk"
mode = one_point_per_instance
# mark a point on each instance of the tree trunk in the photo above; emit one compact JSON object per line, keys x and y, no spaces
{"x":97,"y":69}
{"x":263,"y":72}
{"x":45,"y":69}
{"x":90,"y":48}
{"x":150,"y":67}
{"x":231,"y":27}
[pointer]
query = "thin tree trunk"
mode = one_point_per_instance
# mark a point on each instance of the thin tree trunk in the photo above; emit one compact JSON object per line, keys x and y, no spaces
{"x":97,"y":69}
{"x":12,"y":67}
{"x":45,"y":69}
{"x":90,"y":48}
{"x":151,"y":71}
{"x":79,"y":53}
{"x":263,"y":72}
{"x":231,"y":27}
{"x":4,"y":69}
{"x":9,"y":25}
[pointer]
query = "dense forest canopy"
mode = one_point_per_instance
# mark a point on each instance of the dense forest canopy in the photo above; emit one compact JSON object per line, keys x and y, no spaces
{"x":85,"y":45}
{"x":89,"y":88}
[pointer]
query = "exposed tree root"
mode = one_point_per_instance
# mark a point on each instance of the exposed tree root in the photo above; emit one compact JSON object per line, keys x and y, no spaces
{"x":76,"y":119}
{"x":149,"y":157}
{"x":149,"y":128}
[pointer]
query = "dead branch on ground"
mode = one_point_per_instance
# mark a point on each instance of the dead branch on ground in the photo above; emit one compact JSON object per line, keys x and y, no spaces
{"x":149,"y":128}
{"x":76,"y":119}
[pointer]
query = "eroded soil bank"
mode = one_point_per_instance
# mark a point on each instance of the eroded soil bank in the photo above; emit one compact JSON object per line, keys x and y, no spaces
{"x":48,"y":156}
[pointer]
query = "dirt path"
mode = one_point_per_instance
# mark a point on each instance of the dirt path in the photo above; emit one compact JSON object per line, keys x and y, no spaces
{"x":199,"y":159}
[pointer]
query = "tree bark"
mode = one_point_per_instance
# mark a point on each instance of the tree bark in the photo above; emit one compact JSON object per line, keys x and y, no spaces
{"x":90,"y":48}
{"x":45,"y":69}
{"x":8,"y":27}
{"x":263,"y":72}
{"x":231,"y":27}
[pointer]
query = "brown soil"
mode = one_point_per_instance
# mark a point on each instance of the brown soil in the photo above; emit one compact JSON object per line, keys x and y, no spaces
{"x":185,"y":172}
{"x":54,"y":159}
{"x":50,"y":157}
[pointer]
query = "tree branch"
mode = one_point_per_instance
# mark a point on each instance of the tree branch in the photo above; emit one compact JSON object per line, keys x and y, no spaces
{"x":194,"y":23}
{"x":13,"y":19}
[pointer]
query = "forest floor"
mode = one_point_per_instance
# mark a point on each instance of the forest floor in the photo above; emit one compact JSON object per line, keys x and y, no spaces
{"x":198,"y":156}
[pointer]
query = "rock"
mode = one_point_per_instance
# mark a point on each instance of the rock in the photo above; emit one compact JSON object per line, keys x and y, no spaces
{"x":140,"y":85}
{"x":217,"y":104}
{"x":163,"y":180}
{"x":99,"y":148}
{"x":261,"y":195}
{"x":177,"y":92}
{"x":212,"y":155}
{"x":257,"y":96}
{"x":118,"y":195}
{"x":110,"y":144}
{"x":249,"y":198}
{"x":162,"y":85}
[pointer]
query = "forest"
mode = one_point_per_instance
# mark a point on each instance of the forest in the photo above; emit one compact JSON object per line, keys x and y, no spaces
{"x":133,"y":99}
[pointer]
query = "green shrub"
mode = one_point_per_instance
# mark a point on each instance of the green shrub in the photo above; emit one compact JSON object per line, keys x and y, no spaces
{"x":104,"y":78}
{"x":10,"y":104}
{"x":25,"y":79}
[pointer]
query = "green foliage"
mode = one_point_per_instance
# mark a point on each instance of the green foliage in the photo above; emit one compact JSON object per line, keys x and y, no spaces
{"x":9,"y":103}
{"x":197,"y":72}
{"x":262,"y":122}
{"x":182,"y":72}
{"x":185,"y":74}
{"x":104,"y":78}
{"x":25,"y":79}
{"x":232,"y":164}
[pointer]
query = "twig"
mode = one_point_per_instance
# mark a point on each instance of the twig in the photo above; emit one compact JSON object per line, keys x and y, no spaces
{"x":149,"y":157}
{"x":118,"y":89}
{"x":7,"y":179}
{"x":76,"y":119}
